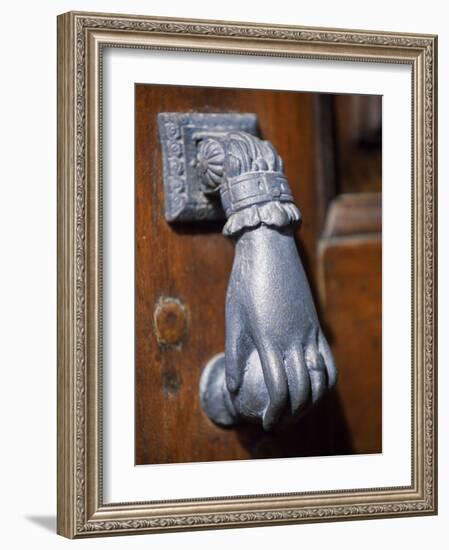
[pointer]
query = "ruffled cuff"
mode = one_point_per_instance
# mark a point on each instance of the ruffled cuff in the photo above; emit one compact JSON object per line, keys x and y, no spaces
{"x":273,"y":214}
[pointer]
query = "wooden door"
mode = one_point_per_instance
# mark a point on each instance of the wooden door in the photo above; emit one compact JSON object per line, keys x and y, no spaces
{"x":181,"y":275}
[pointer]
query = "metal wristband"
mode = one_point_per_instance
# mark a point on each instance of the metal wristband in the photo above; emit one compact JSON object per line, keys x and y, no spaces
{"x":253,"y":188}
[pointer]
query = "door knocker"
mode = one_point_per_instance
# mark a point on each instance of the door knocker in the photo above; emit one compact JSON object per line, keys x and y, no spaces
{"x":277,"y":362}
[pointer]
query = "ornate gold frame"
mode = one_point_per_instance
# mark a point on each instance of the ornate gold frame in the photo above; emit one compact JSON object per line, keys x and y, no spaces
{"x":81,"y":37}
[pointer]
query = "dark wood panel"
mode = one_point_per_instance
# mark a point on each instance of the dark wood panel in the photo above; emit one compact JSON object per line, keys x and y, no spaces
{"x":358,"y":133}
{"x":354,"y":213}
{"x":350,"y":259}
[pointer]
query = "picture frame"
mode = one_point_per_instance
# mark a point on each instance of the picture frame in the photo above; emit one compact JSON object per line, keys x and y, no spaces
{"x":82,"y":40}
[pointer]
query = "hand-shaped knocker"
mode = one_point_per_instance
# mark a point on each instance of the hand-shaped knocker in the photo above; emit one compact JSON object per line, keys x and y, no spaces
{"x":277,"y":361}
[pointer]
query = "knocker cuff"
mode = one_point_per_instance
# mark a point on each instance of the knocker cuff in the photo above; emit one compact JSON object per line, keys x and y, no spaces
{"x":252,"y":188}
{"x":273,"y":214}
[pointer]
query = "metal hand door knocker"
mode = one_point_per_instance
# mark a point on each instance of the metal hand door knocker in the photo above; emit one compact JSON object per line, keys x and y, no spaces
{"x":277,"y":362}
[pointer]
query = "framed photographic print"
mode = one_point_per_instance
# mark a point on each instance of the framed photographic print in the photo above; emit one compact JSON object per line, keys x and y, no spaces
{"x":246,"y":274}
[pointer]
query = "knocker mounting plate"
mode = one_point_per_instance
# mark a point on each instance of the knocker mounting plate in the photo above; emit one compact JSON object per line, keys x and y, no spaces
{"x":186,"y":199}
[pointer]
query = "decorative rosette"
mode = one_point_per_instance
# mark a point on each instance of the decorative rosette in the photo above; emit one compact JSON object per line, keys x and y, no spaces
{"x":210,"y":159}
